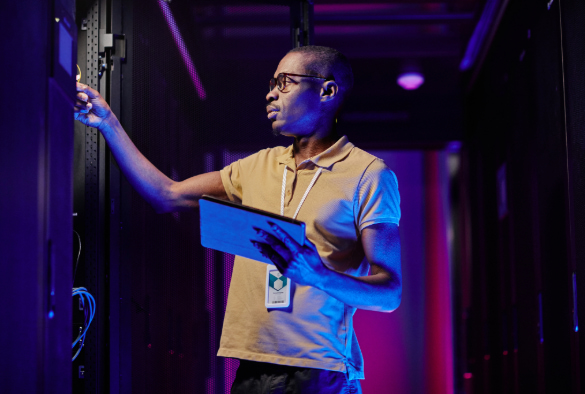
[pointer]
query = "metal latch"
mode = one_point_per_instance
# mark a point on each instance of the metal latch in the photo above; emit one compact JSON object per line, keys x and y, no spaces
{"x":115,"y":41}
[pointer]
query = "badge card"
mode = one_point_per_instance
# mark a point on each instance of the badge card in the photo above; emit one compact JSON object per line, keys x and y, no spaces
{"x":277,"y":289}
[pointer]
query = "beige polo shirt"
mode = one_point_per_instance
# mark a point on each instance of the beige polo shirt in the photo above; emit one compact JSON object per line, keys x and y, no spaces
{"x":353,"y":191}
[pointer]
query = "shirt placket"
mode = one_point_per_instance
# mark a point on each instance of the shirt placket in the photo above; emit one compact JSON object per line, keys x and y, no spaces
{"x":289,"y":190}
{"x":292,"y":181}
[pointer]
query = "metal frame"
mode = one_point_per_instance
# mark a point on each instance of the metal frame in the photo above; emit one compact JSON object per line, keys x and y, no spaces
{"x":90,"y":195}
{"x":94,"y":214}
{"x":302,"y":28}
{"x":119,"y":198}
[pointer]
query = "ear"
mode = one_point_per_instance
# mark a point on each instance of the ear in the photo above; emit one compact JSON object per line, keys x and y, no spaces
{"x":329,"y":91}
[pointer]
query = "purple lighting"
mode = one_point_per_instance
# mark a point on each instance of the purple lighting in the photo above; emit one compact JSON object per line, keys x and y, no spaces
{"x":182,"y":48}
{"x":410,"y":81}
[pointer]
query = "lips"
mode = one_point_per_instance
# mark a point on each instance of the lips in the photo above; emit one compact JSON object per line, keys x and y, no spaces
{"x":272,"y":111}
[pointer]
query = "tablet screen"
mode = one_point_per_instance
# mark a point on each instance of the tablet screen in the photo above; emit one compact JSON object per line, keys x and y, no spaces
{"x":229,"y":227}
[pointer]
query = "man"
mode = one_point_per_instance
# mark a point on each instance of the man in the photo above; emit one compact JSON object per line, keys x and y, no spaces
{"x":347,"y":198}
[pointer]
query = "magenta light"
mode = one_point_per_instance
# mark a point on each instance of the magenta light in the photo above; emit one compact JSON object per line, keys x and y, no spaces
{"x":353,"y":8}
{"x":182,"y":48}
{"x":247,"y":10}
{"x":410,"y":81}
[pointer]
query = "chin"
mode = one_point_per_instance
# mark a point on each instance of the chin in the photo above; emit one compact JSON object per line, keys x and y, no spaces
{"x":275,"y":130}
{"x":284,"y":133}
{"x":278,"y":129}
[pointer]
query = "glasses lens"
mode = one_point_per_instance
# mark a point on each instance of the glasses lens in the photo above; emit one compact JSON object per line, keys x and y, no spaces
{"x":281,"y":81}
{"x":272,"y":84}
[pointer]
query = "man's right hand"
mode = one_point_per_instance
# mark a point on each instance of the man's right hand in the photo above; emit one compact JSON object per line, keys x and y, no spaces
{"x":90,"y":107}
{"x":163,"y":193}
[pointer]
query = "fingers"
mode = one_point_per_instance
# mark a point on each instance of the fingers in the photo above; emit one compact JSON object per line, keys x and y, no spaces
{"x":84,"y":93}
{"x":82,"y":96}
{"x":272,"y":240}
{"x":91,"y":93}
{"x":285,"y":238}
{"x":82,"y":106}
{"x":268,"y":252}
{"x":274,"y":243}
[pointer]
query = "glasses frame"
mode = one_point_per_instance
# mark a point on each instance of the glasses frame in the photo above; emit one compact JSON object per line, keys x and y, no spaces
{"x":274,"y":81}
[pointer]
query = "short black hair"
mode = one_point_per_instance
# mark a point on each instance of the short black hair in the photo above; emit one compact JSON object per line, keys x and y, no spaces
{"x":328,"y":62}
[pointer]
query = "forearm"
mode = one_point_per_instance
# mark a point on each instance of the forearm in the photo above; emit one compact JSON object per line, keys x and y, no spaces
{"x":379,"y":292}
{"x":164,"y":194}
{"x":154,"y":186}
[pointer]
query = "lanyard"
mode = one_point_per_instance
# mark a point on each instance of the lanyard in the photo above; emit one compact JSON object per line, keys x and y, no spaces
{"x":304,"y":195}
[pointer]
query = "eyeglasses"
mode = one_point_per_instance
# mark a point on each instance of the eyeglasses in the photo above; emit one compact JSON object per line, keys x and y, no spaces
{"x":280,"y":80}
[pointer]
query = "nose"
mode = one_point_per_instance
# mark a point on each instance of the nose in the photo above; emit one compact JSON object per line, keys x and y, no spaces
{"x":272,"y":95}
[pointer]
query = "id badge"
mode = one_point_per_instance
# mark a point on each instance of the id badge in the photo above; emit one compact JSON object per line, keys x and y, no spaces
{"x":277,"y":289}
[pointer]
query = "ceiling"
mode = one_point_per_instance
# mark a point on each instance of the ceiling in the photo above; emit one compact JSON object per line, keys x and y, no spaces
{"x":381,"y":39}
{"x":384,"y":39}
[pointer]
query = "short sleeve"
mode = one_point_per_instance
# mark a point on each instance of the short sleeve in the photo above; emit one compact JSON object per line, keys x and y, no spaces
{"x":231,"y":177}
{"x":236,"y":176}
{"x":377,"y":199}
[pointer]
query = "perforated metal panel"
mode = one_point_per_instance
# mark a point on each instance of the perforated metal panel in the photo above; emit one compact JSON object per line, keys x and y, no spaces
{"x":92,"y":142}
{"x":93,"y":220}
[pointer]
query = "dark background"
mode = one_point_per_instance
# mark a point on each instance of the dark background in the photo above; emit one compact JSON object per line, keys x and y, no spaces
{"x":501,"y":114}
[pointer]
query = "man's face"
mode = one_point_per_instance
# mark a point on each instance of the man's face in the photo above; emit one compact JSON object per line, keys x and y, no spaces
{"x":296,"y":110}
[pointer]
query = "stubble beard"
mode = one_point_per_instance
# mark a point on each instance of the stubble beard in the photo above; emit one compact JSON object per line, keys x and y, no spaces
{"x":275,"y":132}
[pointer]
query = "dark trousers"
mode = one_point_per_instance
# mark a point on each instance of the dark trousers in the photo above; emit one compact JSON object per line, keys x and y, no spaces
{"x":263,"y":378}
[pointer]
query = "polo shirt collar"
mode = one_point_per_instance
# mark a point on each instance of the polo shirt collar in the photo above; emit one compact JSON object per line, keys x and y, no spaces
{"x":332,"y":155}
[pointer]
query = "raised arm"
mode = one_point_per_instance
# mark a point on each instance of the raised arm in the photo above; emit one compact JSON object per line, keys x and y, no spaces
{"x":164,"y":194}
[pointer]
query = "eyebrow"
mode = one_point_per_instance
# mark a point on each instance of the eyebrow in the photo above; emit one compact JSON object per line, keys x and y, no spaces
{"x":305,"y":73}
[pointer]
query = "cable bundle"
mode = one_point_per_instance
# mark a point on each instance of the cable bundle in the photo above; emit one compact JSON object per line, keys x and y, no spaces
{"x":88,"y":303}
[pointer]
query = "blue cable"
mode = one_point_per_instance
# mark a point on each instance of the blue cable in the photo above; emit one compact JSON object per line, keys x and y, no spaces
{"x":88,"y":312}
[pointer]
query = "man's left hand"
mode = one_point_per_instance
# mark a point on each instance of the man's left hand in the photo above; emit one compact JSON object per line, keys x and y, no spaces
{"x":300,"y":263}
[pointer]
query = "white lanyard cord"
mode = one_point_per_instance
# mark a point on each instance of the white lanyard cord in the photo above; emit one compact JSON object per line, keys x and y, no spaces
{"x":304,"y":195}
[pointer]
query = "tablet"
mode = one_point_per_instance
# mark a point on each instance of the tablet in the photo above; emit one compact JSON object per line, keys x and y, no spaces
{"x":229,"y":227}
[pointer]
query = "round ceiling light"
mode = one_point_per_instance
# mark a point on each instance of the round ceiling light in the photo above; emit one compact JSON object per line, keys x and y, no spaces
{"x":410,"y":80}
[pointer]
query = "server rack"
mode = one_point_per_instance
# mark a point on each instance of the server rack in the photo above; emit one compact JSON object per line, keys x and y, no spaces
{"x":523,"y":122}
{"x":143,"y":338}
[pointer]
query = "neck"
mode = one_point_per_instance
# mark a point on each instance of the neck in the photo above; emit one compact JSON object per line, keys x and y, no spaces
{"x":305,"y":147}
